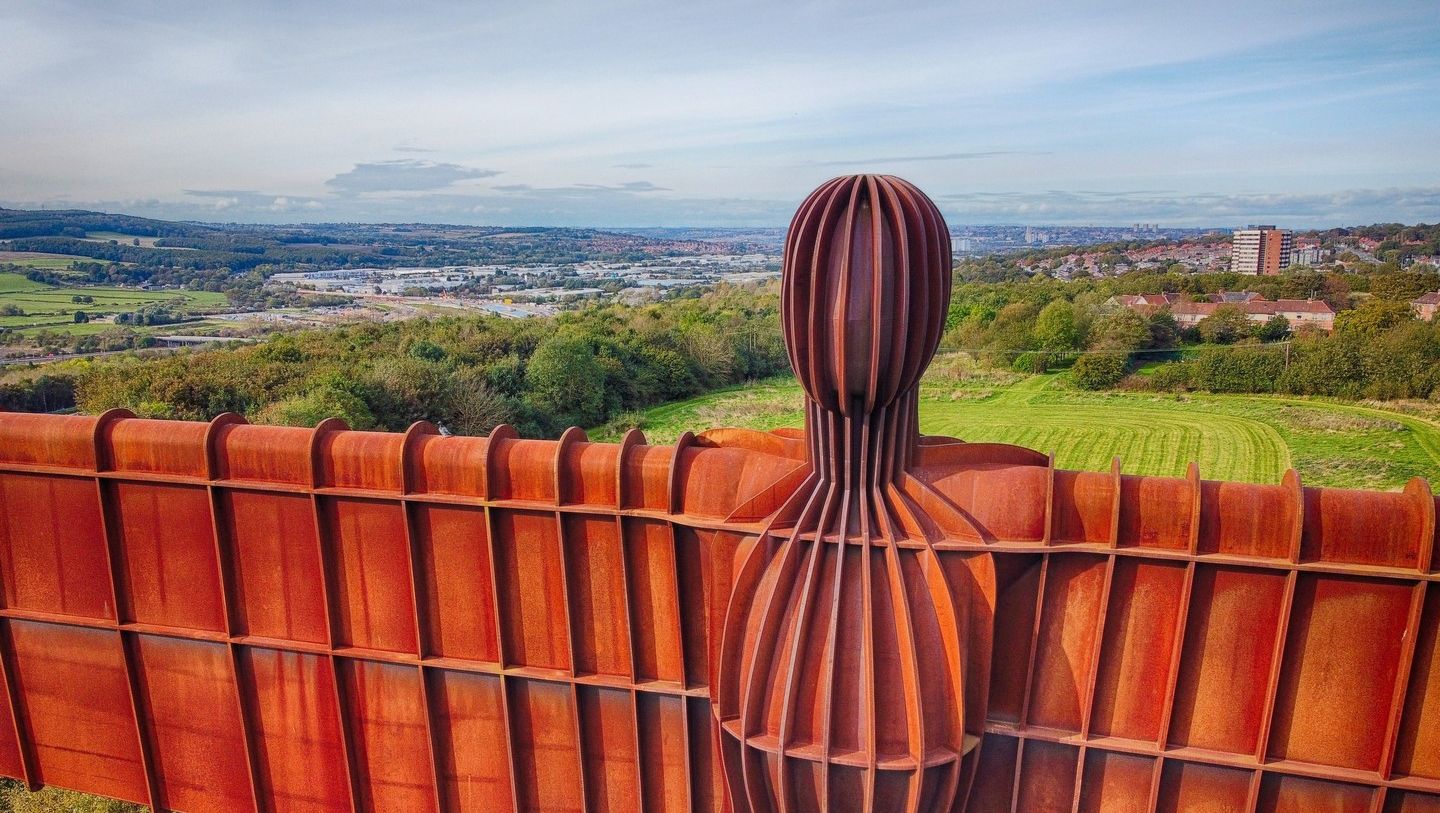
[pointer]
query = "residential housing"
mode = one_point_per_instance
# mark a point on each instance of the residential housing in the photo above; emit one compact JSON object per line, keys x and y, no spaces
{"x":1145,"y":302}
{"x":1261,"y":250}
{"x":1427,"y":305}
{"x":1188,"y":312}
{"x":1307,"y":251}
{"x":1150,"y":302}
{"x":1198,"y":256}
{"x":1307,"y":255}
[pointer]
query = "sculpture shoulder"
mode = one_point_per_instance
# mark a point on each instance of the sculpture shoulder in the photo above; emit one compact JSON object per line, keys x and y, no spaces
{"x":1015,"y":495}
{"x":710,"y":475}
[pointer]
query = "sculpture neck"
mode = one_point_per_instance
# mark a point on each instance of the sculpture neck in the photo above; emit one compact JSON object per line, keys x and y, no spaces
{"x":857,"y":450}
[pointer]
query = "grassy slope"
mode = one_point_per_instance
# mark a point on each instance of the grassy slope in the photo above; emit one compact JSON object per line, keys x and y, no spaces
{"x":1249,"y":438}
{"x":50,"y":262}
{"x":14,"y":283}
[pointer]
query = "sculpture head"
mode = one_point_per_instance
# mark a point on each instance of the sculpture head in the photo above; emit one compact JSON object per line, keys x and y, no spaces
{"x":866,"y":287}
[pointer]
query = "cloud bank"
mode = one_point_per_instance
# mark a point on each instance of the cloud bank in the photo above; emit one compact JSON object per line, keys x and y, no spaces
{"x":643,"y":204}
{"x":403,"y":175}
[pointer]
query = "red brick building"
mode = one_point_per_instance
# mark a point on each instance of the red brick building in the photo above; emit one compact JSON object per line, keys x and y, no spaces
{"x":1426,"y":306}
{"x":1263,"y":250}
{"x":1298,"y":312}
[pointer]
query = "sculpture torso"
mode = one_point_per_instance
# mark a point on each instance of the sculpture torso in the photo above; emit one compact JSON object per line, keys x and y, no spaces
{"x":846,"y":665}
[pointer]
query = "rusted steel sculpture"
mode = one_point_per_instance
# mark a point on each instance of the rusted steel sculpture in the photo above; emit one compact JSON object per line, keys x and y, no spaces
{"x":855,"y":617}
{"x":846,"y":662}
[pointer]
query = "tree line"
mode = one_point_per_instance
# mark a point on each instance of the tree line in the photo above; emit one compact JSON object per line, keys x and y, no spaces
{"x":466,"y":374}
{"x":1379,"y":349}
{"x":586,"y":367}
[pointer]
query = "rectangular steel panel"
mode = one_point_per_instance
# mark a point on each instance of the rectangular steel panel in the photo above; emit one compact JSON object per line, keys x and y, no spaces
{"x":193,"y":720}
{"x":547,"y":747}
{"x":1360,"y":625}
{"x":275,"y":560}
{"x":166,"y":557}
{"x":471,"y":739}
{"x":73,"y":685}
{"x":595,"y":562}
{"x":612,"y":758}
{"x":1229,"y":649}
{"x":372,"y":600}
{"x":531,"y":583}
{"x":391,"y":746}
{"x":52,"y":546}
{"x":297,"y":726}
{"x":456,"y":582}
{"x":1139,"y":644}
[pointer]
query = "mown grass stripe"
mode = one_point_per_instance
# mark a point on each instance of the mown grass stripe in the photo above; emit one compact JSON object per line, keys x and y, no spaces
{"x":1238,"y":437}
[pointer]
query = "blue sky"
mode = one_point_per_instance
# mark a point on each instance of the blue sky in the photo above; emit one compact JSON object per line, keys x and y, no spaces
{"x":1301,"y":112}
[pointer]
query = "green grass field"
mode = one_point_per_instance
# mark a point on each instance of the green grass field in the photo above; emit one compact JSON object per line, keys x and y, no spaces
{"x":12,"y":283}
{"x":129,"y":240}
{"x":49,"y":307}
{"x":1232,"y":437}
{"x":47,"y":262}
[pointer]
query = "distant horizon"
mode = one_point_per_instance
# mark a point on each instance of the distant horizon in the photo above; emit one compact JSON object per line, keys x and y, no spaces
{"x":1311,"y":113}
{"x":1158,"y":225}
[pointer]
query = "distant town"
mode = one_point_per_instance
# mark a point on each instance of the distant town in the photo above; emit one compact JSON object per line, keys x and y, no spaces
{"x":521,"y":291}
{"x":81,"y":283}
{"x":543,"y":328}
{"x":978,"y":241}
{"x":1260,"y":250}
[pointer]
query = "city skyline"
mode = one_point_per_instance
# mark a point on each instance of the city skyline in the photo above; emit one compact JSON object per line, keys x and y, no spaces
{"x":1308,"y":114}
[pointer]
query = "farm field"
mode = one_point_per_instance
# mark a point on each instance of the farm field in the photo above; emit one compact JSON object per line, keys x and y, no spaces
{"x":47,"y":307}
{"x":128,"y":239}
{"x":48,"y":262}
{"x":1232,"y":437}
{"x":107,"y":236}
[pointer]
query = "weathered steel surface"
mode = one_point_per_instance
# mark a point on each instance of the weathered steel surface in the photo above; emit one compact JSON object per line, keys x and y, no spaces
{"x":853,"y":666}
{"x":224,"y":616}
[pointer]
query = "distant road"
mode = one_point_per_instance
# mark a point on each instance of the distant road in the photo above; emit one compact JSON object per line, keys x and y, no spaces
{"x":14,"y":361}
{"x":11,"y":361}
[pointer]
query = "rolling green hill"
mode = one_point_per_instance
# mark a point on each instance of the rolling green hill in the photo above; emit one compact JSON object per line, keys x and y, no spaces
{"x":1232,"y":437}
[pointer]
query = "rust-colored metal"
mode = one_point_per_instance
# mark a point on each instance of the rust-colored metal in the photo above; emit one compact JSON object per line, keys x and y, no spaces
{"x":224,"y":616}
{"x":848,"y":659}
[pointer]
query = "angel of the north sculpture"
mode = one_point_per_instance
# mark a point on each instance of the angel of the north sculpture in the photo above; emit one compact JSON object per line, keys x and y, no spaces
{"x":222,"y":616}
